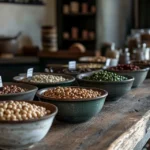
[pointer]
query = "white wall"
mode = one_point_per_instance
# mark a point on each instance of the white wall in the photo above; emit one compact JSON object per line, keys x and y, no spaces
{"x":27,"y":19}
{"x":114,"y":18}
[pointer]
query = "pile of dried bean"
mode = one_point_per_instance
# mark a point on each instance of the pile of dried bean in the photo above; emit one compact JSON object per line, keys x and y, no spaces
{"x":18,"y":111}
{"x":128,"y":67}
{"x":45,"y":78}
{"x":10,"y":89}
{"x":71,"y":93}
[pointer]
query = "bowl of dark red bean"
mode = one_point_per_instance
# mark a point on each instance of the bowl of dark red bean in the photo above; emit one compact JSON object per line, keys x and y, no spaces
{"x":132,"y":70}
{"x":17,"y":91}
{"x":142,"y":64}
{"x":75,"y":104}
{"x":116,"y":85}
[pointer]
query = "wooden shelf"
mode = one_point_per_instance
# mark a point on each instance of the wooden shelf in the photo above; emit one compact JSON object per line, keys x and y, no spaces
{"x":64,"y":54}
{"x":17,"y":3}
{"x":79,"y":40}
{"x":79,"y":14}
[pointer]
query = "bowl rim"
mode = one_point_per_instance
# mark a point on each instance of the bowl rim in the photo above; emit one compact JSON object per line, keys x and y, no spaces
{"x":70,"y":79}
{"x":20,"y":93}
{"x":31,"y":120}
{"x":41,"y":91}
{"x":80,"y":78}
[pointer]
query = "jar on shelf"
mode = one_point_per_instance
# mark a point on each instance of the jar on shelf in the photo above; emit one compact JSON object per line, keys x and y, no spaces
{"x":91,"y":35}
{"x":84,"y":8}
{"x":66,"y":9}
{"x":74,"y":7}
{"x":93,"y":9}
{"x":66,"y":35}
{"x":124,"y":56}
{"x":74,"y":32}
{"x":49,"y":38}
{"x":112,"y":52}
{"x":85,"y":34}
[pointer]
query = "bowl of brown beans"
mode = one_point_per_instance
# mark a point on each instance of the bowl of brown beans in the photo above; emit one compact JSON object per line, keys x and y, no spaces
{"x":135,"y":71}
{"x":24,"y":123}
{"x":17,"y":91}
{"x":75,"y":104}
{"x":43,"y":80}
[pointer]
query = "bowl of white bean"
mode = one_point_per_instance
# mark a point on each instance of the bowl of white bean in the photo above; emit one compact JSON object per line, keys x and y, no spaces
{"x":24,"y":123}
{"x":43,"y":80}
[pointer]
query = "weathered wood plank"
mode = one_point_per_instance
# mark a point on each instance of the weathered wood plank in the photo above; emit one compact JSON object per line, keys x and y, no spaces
{"x":120,"y":126}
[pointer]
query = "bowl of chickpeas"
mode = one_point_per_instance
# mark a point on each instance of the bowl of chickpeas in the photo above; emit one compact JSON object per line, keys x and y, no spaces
{"x":75,"y":104}
{"x":17,"y":91}
{"x":43,"y":80}
{"x":24,"y":123}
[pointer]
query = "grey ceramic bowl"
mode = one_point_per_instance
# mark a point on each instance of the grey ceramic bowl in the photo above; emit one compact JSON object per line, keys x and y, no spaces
{"x":28,"y":95}
{"x":139,"y":75}
{"x":115,"y":89}
{"x":24,"y":134}
{"x":76,"y":111}
{"x":44,"y":85}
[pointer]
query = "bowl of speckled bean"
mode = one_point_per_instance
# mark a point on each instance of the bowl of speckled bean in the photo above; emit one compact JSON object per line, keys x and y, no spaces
{"x":43,"y":80}
{"x":75,"y":104}
{"x":116,"y":85}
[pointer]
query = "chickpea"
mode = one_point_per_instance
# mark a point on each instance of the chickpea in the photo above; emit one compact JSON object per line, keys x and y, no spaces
{"x":11,"y":111}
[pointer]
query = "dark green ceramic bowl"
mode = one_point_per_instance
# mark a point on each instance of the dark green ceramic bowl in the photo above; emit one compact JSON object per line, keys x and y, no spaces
{"x":45,"y":85}
{"x":139,"y":75}
{"x":115,"y":89}
{"x":76,"y":111}
{"x":28,"y":95}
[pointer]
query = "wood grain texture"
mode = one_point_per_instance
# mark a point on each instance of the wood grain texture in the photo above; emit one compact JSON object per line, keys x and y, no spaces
{"x":121,"y":125}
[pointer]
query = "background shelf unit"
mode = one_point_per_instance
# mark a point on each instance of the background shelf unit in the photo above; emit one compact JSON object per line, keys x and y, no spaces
{"x":83,"y":21}
{"x":23,"y":2}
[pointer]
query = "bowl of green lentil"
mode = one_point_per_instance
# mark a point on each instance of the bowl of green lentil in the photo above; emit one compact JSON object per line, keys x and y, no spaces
{"x":43,"y":80}
{"x":116,"y":85}
{"x":75,"y":104}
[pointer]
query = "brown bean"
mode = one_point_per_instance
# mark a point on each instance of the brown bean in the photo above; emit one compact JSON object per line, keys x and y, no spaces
{"x":71,"y":93}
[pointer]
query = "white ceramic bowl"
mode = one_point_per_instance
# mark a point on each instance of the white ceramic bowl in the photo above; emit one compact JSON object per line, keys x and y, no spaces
{"x":18,"y":135}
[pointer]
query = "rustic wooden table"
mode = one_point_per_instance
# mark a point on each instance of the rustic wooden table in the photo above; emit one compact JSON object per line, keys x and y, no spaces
{"x":121,"y":125}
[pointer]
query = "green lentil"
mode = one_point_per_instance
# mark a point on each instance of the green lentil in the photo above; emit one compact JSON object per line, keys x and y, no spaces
{"x":105,"y":76}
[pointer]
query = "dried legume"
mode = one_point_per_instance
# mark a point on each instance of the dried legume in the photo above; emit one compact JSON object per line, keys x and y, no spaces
{"x":18,"y":111}
{"x":10,"y":89}
{"x":71,"y":93}
{"x":121,"y":67}
{"x":43,"y":78}
{"x":105,"y":76}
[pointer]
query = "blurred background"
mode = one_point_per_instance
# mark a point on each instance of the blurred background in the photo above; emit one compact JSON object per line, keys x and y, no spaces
{"x":41,"y":32}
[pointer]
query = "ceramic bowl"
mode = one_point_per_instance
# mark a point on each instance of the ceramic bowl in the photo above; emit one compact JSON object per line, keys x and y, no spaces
{"x":115,"y":89}
{"x":44,"y":85}
{"x":76,"y":111}
{"x":142,"y":64}
{"x":139,"y":75}
{"x":28,"y":95}
{"x":17,"y":135}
